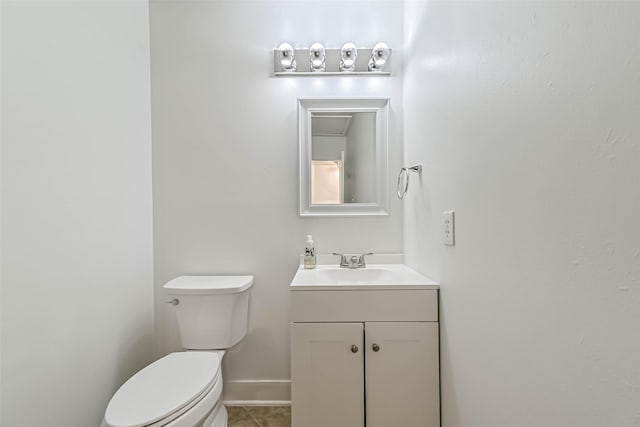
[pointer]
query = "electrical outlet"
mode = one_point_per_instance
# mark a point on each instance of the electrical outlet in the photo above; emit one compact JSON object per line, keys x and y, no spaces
{"x":449,"y":228}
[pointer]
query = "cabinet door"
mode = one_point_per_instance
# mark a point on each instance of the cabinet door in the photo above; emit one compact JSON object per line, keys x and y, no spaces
{"x":402,"y":374}
{"x":327,"y":375}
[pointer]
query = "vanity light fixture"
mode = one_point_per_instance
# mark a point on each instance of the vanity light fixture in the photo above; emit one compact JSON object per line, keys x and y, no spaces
{"x":349,"y":60}
{"x":348,"y":56}
{"x":379,"y":56}
{"x":317,"y":56}
{"x":286,"y":56}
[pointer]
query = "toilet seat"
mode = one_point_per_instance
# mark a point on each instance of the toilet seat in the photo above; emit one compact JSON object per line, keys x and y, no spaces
{"x":165,"y":390}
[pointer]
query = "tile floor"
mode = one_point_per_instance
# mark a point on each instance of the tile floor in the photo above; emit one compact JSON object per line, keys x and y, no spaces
{"x":259,"y":416}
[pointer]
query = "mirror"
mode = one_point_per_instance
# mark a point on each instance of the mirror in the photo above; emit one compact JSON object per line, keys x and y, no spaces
{"x":343,"y":156}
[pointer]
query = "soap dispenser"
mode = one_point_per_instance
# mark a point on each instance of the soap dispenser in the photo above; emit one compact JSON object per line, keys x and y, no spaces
{"x":309,"y":253}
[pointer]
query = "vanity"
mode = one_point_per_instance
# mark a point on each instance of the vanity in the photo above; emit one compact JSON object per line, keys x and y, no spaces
{"x":364,"y":347}
{"x":364,"y":339}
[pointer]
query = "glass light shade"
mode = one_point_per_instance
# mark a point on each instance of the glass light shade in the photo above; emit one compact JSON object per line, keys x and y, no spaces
{"x":379,"y":56}
{"x":348,"y":56}
{"x":286,"y":56}
{"x":317,"y":56}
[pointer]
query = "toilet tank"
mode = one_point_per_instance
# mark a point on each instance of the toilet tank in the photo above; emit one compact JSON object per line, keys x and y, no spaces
{"x":212,"y":311}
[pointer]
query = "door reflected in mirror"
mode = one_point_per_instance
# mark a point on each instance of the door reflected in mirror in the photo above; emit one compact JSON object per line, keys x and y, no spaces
{"x":327,"y":179}
{"x":343,"y":157}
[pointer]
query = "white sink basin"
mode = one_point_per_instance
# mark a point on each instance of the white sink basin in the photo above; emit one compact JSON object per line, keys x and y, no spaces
{"x":375,"y":276}
{"x":360,"y":275}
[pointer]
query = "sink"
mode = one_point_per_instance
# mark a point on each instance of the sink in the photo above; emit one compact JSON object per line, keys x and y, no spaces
{"x":374,"y":276}
{"x":359,"y":275}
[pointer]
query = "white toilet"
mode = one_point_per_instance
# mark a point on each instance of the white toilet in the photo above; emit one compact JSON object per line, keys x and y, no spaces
{"x":184,"y":389}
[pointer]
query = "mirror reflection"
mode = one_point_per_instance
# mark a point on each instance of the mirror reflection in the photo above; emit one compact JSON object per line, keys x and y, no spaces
{"x":343,"y":157}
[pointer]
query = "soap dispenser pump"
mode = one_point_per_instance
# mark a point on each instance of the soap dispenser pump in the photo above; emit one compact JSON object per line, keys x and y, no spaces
{"x":309,"y":253}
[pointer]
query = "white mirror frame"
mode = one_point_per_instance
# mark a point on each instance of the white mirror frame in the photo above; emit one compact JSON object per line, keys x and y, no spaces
{"x":309,"y":106}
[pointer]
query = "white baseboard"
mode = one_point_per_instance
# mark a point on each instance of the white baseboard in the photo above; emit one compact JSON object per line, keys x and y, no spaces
{"x":257,"y":393}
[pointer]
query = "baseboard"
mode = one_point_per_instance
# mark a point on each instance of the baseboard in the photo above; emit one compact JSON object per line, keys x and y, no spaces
{"x":257,"y":393}
{"x":256,"y":403}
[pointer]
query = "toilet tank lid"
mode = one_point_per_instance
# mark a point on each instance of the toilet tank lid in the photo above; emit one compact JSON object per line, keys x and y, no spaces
{"x":208,"y":285}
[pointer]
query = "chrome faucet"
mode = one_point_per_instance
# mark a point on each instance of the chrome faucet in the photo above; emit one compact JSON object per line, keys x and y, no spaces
{"x":353,"y":262}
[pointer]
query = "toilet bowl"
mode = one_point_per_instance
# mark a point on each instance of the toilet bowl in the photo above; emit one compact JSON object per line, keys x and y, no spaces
{"x":184,"y":389}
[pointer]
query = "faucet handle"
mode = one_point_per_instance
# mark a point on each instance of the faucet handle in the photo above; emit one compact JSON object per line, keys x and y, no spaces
{"x":343,"y":259}
{"x":361,"y":259}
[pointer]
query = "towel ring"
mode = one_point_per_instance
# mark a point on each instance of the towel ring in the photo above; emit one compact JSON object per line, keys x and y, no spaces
{"x":401,"y":192}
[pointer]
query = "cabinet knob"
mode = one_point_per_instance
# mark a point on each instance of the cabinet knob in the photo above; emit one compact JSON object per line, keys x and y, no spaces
{"x":354,"y":348}
{"x":375,"y":347}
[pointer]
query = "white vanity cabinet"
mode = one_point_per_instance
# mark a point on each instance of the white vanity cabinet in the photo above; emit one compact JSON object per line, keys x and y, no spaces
{"x":365,"y":357}
{"x":402,"y":374}
{"x":327,"y":370}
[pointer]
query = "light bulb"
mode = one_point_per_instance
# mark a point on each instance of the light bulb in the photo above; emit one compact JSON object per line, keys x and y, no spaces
{"x":286,"y":56}
{"x":379,"y":56}
{"x":317,"y":57}
{"x":348,"y":55}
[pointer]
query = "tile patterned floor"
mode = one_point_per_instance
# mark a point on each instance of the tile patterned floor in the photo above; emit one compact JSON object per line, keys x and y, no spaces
{"x":259,"y":416}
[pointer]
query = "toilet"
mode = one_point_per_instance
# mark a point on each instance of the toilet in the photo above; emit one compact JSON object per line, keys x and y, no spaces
{"x":184,"y":389}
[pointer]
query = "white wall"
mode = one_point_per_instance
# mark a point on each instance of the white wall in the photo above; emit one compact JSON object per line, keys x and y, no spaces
{"x":76,"y":208}
{"x":226,"y":154}
{"x":525,"y":116}
{"x":328,"y":147}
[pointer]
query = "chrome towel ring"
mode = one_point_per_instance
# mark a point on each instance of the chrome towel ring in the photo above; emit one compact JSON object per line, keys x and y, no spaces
{"x":402,"y":190}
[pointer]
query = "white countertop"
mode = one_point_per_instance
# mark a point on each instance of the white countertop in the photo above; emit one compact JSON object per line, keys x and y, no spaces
{"x":372,"y":277}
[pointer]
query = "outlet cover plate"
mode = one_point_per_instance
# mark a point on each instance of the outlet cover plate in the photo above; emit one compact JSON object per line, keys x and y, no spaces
{"x":449,"y":228}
